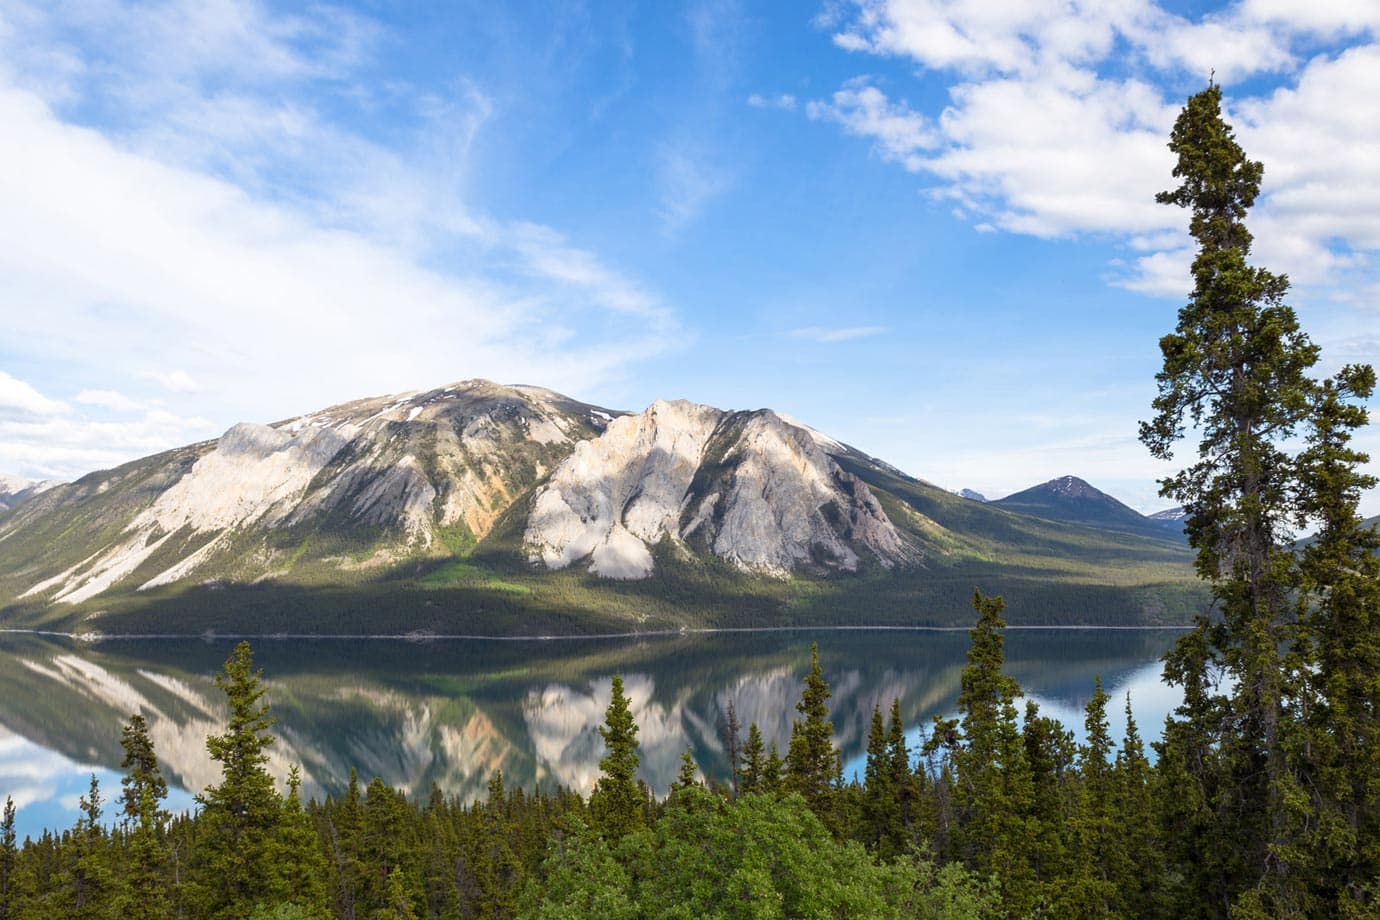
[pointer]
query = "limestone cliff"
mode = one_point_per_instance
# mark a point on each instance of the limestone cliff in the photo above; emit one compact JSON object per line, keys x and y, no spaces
{"x":751,"y":487}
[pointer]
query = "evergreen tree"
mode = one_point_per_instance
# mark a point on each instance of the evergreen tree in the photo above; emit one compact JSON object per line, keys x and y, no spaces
{"x":616,"y":804}
{"x":1094,"y":892}
{"x":879,"y":805}
{"x":1340,"y":666}
{"x":811,"y":761}
{"x":1236,"y":367}
{"x":144,"y":894}
{"x":498,"y":869}
{"x":994,"y":792}
{"x":688,"y":775}
{"x":1049,"y":751}
{"x":397,"y":905}
{"x":754,"y":762}
{"x":902,"y":778}
{"x":348,"y":867}
{"x":773,"y":772}
{"x":297,"y":854}
{"x":1263,"y":778}
{"x":240,"y":816}
{"x":1141,"y":873}
{"x":730,"y":731}
{"x":9,"y":864}
{"x":90,"y":879}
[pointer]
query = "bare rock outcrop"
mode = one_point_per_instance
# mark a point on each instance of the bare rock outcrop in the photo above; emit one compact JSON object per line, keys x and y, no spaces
{"x":750,"y":487}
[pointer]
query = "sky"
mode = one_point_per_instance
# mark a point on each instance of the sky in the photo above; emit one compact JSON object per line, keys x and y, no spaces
{"x":925,"y":227}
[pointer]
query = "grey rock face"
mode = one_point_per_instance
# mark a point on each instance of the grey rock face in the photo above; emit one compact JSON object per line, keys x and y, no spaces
{"x":750,"y":487}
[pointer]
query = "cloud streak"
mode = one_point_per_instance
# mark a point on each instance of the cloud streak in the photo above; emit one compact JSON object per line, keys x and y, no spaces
{"x":185,"y":215}
{"x":826,"y":335}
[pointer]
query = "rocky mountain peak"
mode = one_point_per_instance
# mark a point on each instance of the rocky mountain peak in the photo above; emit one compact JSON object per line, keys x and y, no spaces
{"x":1071,"y":487}
{"x":751,"y":487}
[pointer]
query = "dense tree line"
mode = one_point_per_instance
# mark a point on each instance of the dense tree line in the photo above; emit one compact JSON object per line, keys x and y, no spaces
{"x":1261,"y":800}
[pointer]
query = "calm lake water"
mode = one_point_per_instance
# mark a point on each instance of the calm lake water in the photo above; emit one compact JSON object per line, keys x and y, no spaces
{"x":451,"y":712}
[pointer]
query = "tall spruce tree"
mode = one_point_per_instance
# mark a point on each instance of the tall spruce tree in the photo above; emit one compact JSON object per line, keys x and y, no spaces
{"x":615,"y":805}
{"x":1263,"y":776}
{"x":1236,"y":369}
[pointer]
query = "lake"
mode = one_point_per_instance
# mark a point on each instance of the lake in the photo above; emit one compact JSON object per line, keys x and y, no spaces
{"x":451,"y":712}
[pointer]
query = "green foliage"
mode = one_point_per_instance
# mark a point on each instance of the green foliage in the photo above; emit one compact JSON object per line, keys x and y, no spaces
{"x":759,"y":856}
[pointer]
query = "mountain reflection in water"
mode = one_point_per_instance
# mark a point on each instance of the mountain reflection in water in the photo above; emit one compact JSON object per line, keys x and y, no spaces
{"x":450,"y":713}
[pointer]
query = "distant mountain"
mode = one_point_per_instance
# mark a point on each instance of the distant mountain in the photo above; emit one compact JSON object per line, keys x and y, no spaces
{"x":1311,"y":538}
{"x":15,"y":491}
{"x":1172,"y":519}
{"x":970,"y":494}
{"x":1071,"y":499}
{"x":480,"y":508}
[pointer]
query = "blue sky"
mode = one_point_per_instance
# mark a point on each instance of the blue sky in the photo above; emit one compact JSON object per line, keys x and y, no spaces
{"x":926,"y":228}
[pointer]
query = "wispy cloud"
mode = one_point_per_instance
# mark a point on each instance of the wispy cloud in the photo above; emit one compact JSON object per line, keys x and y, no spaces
{"x":784,"y":101}
{"x":184,"y":209}
{"x":828,"y":335}
{"x":689,"y":180}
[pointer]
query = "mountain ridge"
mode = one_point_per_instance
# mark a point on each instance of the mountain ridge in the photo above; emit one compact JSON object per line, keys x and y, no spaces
{"x":503,"y":508}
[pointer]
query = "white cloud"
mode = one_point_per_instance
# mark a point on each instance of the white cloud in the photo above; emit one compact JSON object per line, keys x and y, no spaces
{"x":826,"y":335}
{"x":181,"y":212}
{"x":19,"y":398}
{"x":65,"y":447}
{"x":902,"y":136}
{"x":1325,"y":17}
{"x":108,"y":399}
{"x":1058,"y":113}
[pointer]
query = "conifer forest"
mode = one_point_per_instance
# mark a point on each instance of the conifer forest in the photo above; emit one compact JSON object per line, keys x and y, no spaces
{"x":1260,"y":800}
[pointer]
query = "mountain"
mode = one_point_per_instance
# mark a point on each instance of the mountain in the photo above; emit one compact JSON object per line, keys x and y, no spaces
{"x":15,"y":491}
{"x":1172,"y":519}
{"x":1070,"y":499}
{"x":487,"y":509}
{"x":970,"y":494}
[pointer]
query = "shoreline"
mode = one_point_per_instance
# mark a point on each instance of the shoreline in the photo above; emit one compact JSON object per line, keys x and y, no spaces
{"x":439,"y":637}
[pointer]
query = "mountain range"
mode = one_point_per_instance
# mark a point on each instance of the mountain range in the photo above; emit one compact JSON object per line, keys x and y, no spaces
{"x":485,"y":509}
